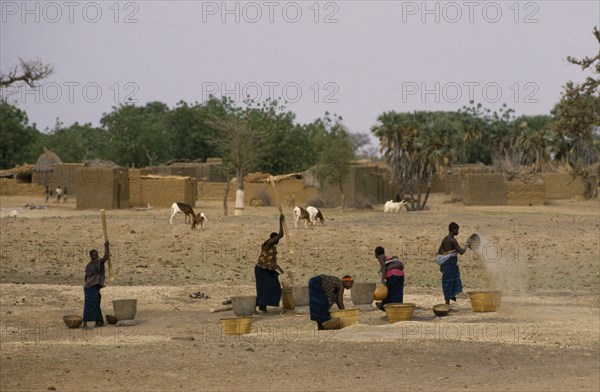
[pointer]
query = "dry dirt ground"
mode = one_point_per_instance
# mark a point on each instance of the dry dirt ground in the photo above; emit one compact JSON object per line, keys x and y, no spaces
{"x":545,"y":337}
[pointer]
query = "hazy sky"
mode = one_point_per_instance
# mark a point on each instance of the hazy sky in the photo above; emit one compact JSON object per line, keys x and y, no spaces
{"x":353,"y":58}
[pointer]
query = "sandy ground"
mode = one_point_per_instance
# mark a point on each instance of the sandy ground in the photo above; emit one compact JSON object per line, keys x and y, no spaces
{"x":545,"y":337}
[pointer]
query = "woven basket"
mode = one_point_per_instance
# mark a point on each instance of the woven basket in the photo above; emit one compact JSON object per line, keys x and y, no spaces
{"x":236,"y":325}
{"x":485,"y":301}
{"x":347,"y":316}
{"x":287,"y":299}
{"x":399,"y":312}
{"x":73,"y":321}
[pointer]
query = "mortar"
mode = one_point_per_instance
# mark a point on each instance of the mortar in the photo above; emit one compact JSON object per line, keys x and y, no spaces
{"x":125,"y":309}
{"x":362,"y":293}
{"x":300,"y":294}
{"x":243,"y":305}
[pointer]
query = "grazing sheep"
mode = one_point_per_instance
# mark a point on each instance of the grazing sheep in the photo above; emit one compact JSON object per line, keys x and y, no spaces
{"x":391,"y":206}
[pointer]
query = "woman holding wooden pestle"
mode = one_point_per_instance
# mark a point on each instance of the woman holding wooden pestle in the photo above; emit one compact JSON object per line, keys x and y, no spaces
{"x":94,"y":282}
{"x":268,"y":288}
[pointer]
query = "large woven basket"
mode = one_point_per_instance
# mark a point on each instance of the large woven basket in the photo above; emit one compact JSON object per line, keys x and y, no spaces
{"x":399,"y":312}
{"x":287,"y":299}
{"x":485,"y":300}
{"x":236,"y":325}
{"x":347,"y":316}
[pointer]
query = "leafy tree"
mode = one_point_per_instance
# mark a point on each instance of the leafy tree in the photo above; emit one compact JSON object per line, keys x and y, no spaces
{"x":193,"y":134}
{"x":335,"y":150}
{"x":75,"y":143}
{"x":139,"y":134}
{"x":17,"y":137}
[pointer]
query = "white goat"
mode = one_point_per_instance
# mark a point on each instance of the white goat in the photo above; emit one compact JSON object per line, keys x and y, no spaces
{"x":182,"y":207}
{"x":314,"y":214}
{"x":301,"y":214}
{"x":197,"y":220}
{"x":391,"y":206}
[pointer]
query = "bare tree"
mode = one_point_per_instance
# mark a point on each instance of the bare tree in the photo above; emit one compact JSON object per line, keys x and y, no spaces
{"x":240,"y":144}
{"x":28,"y":71}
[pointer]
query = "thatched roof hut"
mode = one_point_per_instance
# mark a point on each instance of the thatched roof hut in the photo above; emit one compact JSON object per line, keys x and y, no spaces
{"x":46,"y":161}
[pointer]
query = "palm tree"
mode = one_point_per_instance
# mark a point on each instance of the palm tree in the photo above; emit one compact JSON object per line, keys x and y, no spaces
{"x":415,"y":146}
{"x":534,"y":140}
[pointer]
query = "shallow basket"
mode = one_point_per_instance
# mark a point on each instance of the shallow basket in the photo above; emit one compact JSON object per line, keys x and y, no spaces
{"x":287,"y":299}
{"x":441,"y":310}
{"x":236,"y":325}
{"x":485,"y":300}
{"x":347,"y":316}
{"x":399,"y":312}
{"x":73,"y":321}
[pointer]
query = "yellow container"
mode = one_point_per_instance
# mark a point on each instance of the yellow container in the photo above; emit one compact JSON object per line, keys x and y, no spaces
{"x":399,"y":312}
{"x":287,"y":299}
{"x":347,"y":316}
{"x":380,"y":293}
{"x":485,"y":300}
{"x":237,"y":325}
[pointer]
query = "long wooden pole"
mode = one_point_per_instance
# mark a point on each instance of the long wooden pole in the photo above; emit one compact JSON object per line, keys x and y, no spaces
{"x":285,"y":228}
{"x":103,"y":216}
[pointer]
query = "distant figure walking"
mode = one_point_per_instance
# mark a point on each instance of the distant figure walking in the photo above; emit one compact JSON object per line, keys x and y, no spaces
{"x":58,"y":193}
{"x":65,"y":195}
{"x":47,"y":194}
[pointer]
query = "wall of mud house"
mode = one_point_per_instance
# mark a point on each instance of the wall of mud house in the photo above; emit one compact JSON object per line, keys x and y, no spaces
{"x":12,"y":187}
{"x":562,"y":186}
{"x":102,"y":188}
{"x":160,"y":191}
